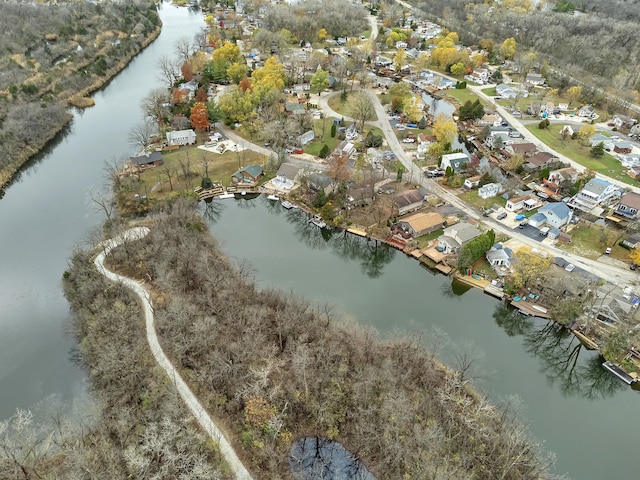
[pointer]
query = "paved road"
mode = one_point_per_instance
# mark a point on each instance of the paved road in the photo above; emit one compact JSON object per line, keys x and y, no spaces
{"x":609,"y":273}
{"x":190,"y":400}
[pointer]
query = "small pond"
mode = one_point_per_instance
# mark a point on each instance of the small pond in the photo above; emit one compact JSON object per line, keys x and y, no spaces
{"x":317,"y":458}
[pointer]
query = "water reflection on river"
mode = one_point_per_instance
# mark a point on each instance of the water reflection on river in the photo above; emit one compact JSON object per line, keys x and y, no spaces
{"x":571,"y":403}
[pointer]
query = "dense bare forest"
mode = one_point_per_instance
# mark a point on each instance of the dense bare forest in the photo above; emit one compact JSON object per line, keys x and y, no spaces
{"x":598,"y":43}
{"x":53,"y":55}
{"x":274,"y":368}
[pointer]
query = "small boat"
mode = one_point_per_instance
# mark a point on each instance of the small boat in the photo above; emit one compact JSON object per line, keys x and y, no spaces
{"x":318,"y":222}
{"x":288,"y":205}
{"x":273,"y":197}
{"x":617,"y":371}
{"x":226,"y":195}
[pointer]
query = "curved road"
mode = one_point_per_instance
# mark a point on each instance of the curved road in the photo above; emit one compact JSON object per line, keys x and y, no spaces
{"x":190,"y":400}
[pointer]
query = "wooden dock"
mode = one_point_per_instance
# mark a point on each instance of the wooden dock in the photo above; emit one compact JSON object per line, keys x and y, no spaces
{"x":531,"y":309}
{"x":586,"y":341}
{"x":494,"y":291}
{"x":357,"y":231}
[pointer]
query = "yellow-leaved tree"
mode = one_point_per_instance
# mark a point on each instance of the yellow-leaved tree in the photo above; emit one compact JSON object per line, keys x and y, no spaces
{"x":529,"y":267}
{"x":229,"y":52}
{"x":445,"y":129}
{"x":508,"y":48}
{"x":272,"y":75}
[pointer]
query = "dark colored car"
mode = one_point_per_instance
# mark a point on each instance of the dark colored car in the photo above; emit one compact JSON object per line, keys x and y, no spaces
{"x":502,"y":216}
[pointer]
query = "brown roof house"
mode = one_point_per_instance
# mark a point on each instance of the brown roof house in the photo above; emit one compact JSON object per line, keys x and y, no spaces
{"x":558,"y":177}
{"x":455,"y":236}
{"x":540,"y":160}
{"x":421,"y":223}
{"x":526,"y":149}
{"x":408,"y":201}
{"x":629,"y":206}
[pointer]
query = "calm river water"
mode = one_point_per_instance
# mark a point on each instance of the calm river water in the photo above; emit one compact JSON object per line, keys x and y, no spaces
{"x":579,"y":413}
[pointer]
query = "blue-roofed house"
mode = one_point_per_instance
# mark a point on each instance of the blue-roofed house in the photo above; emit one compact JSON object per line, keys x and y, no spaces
{"x":594,"y":193}
{"x":537,"y":220}
{"x":557,"y":214}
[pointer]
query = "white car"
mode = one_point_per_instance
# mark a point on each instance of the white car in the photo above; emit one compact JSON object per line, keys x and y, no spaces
{"x":570,"y":267}
{"x":409,"y":140}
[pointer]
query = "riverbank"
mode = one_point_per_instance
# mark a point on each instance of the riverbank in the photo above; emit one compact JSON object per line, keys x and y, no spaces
{"x":78,"y":100}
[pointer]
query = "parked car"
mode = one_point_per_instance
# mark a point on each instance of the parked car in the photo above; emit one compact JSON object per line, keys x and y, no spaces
{"x":502,"y":216}
{"x":607,"y":251}
{"x":570,"y":267}
{"x":409,"y":140}
{"x":632,"y":266}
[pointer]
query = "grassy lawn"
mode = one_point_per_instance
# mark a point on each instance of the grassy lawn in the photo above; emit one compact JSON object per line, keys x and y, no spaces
{"x":591,"y":241}
{"x":344,"y":108}
{"x":155,"y":181}
{"x":462,"y":95}
{"x":471,"y":197}
{"x":606,"y":165}
{"x":424,"y":240}
{"x":314,"y":147}
{"x":490,"y":91}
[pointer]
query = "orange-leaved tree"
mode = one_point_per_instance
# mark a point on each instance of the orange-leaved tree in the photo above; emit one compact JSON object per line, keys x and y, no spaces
{"x":199,"y":118}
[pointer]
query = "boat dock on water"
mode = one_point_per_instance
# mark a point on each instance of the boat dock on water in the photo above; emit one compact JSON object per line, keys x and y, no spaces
{"x":288,"y":205}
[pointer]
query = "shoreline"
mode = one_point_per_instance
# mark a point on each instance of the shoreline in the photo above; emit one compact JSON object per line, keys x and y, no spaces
{"x":9,"y":174}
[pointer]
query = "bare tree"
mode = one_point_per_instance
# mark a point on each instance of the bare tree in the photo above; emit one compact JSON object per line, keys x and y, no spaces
{"x":155,"y":105}
{"x":362,"y":108}
{"x":169,"y":70}
{"x":183,"y":48}
{"x":140,"y":136}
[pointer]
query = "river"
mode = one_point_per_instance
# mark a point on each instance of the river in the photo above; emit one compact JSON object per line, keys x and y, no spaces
{"x":580,"y":414}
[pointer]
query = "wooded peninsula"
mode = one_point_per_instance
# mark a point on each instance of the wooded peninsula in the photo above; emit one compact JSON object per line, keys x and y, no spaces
{"x":53,"y":56}
{"x":271,"y":368}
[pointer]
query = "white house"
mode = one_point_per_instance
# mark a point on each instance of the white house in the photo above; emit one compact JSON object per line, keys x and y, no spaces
{"x":523,"y":202}
{"x":505,"y":91}
{"x":587,"y":111}
{"x":535,"y":79}
{"x":556,"y":214}
{"x":455,"y":236}
{"x":401,"y":44}
{"x":606,"y":141}
{"x":181,"y":137}
{"x":489,"y":190}
{"x":594,"y":193}
{"x":455,"y":161}
{"x":472,"y":182}
{"x":629,"y":206}
{"x":498,"y":257}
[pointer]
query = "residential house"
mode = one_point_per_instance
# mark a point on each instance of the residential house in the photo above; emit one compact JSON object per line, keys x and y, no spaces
{"x":522,"y":202}
{"x":633,"y":241}
{"x":566,"y":131}
{"x":400,"y":44}
{"x":629,"y":160}
{"x":587,"y":111}
{"x":319,"y":181}
{"x":556,"y":214}
{"x":612,"y":307}
{"x":535,"y":79}
{"x":498,"y":256}
{"x":489,"y":190}
{"x":445,"y":83}
{"x":420,"y":224}
{"x":288,"y":174}
{"x":295,"y":108}
{"x":525,"y":149}
{"x":622,"y":146}
{"x":606,"y":141}
{"x":181,"y":137}
{"x":149,"y":160}
{"x":634,"y":172}
{"x":505,"y":91}
{"x":455,"y":161}
{"x":408,"y":201}
{"x":622,"y":121}
{"x":594,"y":193}
{"x":361,"y":197}
{"x":540,"y":160}
{"x":413,"y":53}
{"x":455,"y":236}
{"x":345,"y":148}
{"x":381,"y":61}
{"x":472,"y":182}
{"x":489,"y":119}
{"x":559,"y":177}
{"x":478,"y":75}
{"x":248,"y":176}
{"x":427,"y":75}
{"x":629,"y":206}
